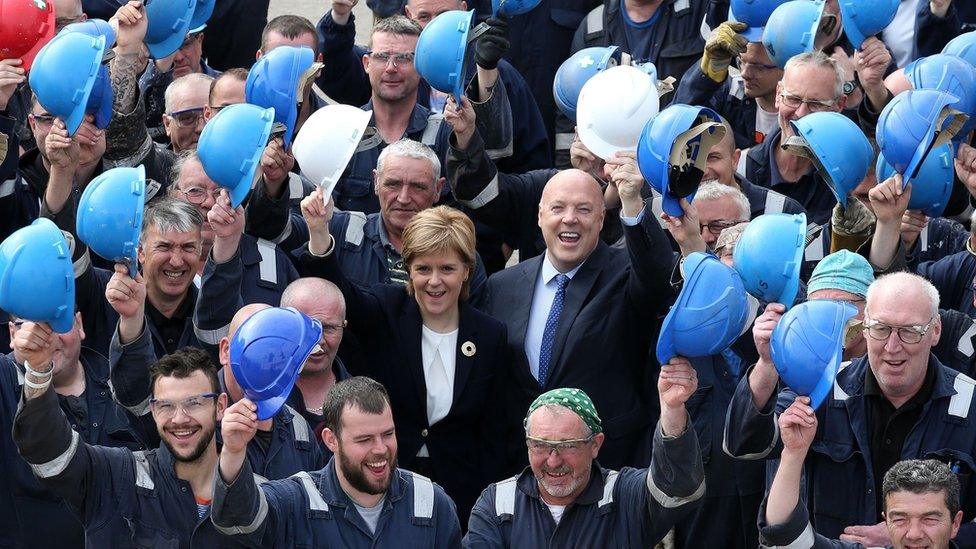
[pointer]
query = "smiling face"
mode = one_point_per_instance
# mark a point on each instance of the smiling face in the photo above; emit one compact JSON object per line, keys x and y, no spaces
{"x":920,"y":520}
{"x":571,"y":216}
{"x":169,"y":261}
{"x":898,"y":366}
{"x":404,"y":187}
{"x":564,"y":475}
{"x":365,"y":449}
{"x":811,"y":83}
{"x":187,"y":435}
{"x":330,"y":310}
{"x":437,"y":280}
{"x":392,"y":84}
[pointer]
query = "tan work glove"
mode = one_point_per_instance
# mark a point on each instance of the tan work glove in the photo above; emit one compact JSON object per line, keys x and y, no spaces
{"x":724,"y":44}
{"x":852,"y":226}
{"x":3,"y":147}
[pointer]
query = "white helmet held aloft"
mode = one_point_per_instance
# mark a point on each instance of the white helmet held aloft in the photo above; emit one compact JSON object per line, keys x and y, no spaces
{"x":327,"y":141}
{"x":613,"y":108}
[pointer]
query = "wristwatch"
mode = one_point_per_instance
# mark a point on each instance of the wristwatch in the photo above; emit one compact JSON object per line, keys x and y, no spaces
{"x":850,"y":86}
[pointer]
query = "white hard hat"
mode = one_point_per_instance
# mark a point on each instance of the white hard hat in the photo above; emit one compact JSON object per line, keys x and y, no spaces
{"x":327,"y":141}
{"x":613,"y":108}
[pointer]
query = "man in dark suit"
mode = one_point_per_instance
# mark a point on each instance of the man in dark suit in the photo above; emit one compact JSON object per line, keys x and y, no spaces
{"x":581,"y":315}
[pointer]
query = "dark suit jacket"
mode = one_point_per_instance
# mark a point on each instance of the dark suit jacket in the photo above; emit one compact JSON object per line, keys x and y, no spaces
{"x":467,"y":446}
{"x":608,"y":323}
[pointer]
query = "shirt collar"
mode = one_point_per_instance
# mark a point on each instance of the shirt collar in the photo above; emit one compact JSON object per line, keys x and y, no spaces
{"x":549,"y":271}
{"x":924,"y":394}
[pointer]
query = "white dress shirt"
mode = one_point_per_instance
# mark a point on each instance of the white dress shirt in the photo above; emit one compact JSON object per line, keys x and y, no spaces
{"x":439,"y":356}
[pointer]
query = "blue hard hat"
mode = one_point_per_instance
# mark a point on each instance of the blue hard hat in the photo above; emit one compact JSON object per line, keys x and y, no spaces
{"x":912,"y":124}
{"x":963,"y":46}
{"x":201,"y":13}
{"x":838,"y":148}
{"x":710,"y":313}
{"x":792,"y":29}
{"x":267,"y":353}
{"x":231,"y":145}
{"x":94,"y":27}
{"x":950,"y":74}
{"x":65,"y":73}
{"x":932,"y":186}
{"x":675,"y":169}
{"x":110,"y":215}
{"x":169,"y":22}
{"x":866,"y":18}
{"x":575,"y":71}
{"x":769,"y":254}
{"x":754,"y":13}
{"x":37,"y":280}
{"x":273,"y":83}
{"x":807,"y":346}
{"x":509,"y":8}
{"x":441,"y":51}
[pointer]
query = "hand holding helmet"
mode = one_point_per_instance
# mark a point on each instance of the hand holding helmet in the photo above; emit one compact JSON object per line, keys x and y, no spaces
{"x":889,"y":201}
{"x":130,"y":24}
{"x":318,"y":213}
{"x":126,"y":295}
{"x":461,"y":119}
{"x":625,"y":175}
{"x":33,"y":343}
{"x":965,"y":164}
{"x":11,"y":76}
{"x":762,"y":332}
{"x":723,"y":45}
{"x":798,"y":425}
{"x":675,"y":385}
{"x":686,"y":229}
{"x":276,"y":162}
{"x":62,"y":150}
{"x":493,"y":44}
{"x":238,"y":426}
{"x":871,"y":62}
{"x":226,"y":221}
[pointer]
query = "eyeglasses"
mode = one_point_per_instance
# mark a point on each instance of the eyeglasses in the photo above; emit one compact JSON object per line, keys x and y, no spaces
{"x":187,"y":118}
{"x":43,"y":119}
{"x":216,"y":109}
{"x":191,"y":406}
{"x":907,"y":334}
{"x":815,"y":105}
{"x":758,"y":67}
{"x":385,"y":57}
{"x":333,"y":329}
{"x":716,"y":227}
{"x":568,"y":448}
{"x":198,"y":195}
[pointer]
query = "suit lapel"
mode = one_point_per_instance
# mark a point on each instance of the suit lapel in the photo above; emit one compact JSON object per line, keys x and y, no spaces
{"x":463,"y":364}
{"x":523,"y":293}
{"x":410,"y":329}
{"x":576,"y":293}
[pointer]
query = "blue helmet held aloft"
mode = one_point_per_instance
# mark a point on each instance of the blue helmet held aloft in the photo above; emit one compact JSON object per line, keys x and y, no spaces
{"x":754,"y":13}
{"x":231,"y":145}
{"x":792,"y":29}
{"x":37,"y":281}
{"x":511,"y":8}
{"x":110,"y":215}
{"x":963,"y":46}
{"x":274,"y":81}
{"x":914,"y":123}
{"x":866,"y":18}
{"x":932,"y":186}
{"x":201,"y":13}
{"x":807,"y":346}
{"x":711,"y":311}
{"x":441,"y":52}
{"x":267,"y":353}
{"x":838,"y":148}
{"x":950,"y":74}
{"x":672,"y":151}
{"x":169,"y":23}
{"x":768,"y":257}
{"x":64,"y":74}
{"x":575,"y":71}
{"x":94,"y":27}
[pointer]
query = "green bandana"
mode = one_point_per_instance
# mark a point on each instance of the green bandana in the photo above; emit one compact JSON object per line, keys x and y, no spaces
{"x":575,"y":400}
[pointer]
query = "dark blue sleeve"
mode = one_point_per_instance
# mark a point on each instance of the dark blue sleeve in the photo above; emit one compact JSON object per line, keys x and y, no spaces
{"x":101,"y":9}
{"x":343,"y":77}
{"x":531,"y":149}
{"x":933,"y":33}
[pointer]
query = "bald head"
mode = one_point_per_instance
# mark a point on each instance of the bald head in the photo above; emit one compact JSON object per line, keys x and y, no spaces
{"x":230,"y":382}
{"x":243,"y":314}
{"x":571,"y":215}
{"x":311,"y":288}
{"x":322,"y":300}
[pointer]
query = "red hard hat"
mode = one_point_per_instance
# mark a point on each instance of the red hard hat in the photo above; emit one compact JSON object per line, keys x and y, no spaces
{"x":25,"y":26}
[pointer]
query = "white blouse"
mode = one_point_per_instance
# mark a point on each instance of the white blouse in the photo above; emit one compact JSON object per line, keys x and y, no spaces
{"x":439,"y":355}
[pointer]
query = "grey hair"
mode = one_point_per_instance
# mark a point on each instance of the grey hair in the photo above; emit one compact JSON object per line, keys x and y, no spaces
{"x":317,"y":288}
{"x":558,"y":410}
{"x":167,"y":214}
{"x":907,"y":279}
{"x":919,"y":476}
{"x":181,"y":161}
{"x":713,"y":190}
{"x":819,"y":59}
{"x":398,"y":24}
{"x":183,"y":82}
{"x":408,"y":148}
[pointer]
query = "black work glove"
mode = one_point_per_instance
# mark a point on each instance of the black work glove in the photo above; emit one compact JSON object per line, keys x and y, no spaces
{"x":493,"y":44}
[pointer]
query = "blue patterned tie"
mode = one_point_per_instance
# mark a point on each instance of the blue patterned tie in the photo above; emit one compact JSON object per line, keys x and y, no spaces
{"x":549,"y":334}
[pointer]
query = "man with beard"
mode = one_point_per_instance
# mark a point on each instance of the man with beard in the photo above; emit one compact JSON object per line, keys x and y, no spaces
{"x":566,"y":499}
{"x":360,"y":499}
{"x":157,"y":498}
